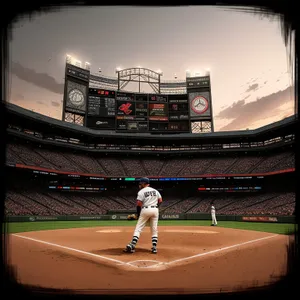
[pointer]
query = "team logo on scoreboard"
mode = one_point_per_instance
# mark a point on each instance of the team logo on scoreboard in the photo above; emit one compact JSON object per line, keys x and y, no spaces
{"x":76,"y":97}
{"x":101,"y":123}
{"x":126,"y":108}
{"x":199,"y":105}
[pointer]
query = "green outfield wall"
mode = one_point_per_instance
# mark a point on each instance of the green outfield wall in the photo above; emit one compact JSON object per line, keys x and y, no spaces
{"x":182,"y":216}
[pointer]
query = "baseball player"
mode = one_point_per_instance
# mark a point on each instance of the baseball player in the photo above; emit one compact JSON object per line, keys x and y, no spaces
{"x":148,"y":201}
{"x":213,"y":215}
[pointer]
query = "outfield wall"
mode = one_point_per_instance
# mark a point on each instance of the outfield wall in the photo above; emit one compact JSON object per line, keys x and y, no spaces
{"x":183,"y":216}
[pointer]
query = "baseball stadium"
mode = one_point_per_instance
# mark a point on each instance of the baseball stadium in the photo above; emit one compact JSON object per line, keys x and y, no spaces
{"x":70,"y":206}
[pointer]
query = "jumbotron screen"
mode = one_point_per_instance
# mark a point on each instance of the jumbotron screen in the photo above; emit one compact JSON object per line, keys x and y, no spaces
{"x":134,"y":112}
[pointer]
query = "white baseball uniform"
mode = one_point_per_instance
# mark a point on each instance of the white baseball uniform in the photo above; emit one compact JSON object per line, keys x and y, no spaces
{"x":149,"y":212}
{"x":213,"y":215}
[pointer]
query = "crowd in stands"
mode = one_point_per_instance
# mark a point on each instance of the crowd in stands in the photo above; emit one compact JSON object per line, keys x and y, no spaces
{"x":28,"y":202}
{"x":243,"y":204}
{"x":44,"y":203}
{"x":83,"y":163}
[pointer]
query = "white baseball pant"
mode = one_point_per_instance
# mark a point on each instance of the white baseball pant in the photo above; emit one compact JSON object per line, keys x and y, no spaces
{"x":150,"y":214}
{"x":214,"y":219}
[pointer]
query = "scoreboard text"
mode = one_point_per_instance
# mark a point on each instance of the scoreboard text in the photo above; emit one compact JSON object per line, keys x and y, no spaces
{"x":133,"y":112}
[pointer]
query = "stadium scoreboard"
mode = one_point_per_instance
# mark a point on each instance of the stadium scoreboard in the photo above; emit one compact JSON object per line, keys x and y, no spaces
{"x":132,"y":112}
{"x":101,"y":103}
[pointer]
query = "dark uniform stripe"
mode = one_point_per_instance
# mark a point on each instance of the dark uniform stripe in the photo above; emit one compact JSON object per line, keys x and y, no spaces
{"x":154,"y":241}
{"x":134,"y":240}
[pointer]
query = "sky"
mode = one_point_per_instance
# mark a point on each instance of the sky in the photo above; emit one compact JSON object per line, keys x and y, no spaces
{"x":251,"y":82}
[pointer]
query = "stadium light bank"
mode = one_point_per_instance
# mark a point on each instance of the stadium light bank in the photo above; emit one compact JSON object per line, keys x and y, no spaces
{"x":197,"y":73}
{"x":74,"y":61}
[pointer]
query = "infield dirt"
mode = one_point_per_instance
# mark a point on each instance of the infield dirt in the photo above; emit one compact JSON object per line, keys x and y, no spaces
{"x":189,"y":260}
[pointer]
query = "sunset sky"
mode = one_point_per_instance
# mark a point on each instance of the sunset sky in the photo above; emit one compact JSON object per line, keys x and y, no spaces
{"x":246,"y":55}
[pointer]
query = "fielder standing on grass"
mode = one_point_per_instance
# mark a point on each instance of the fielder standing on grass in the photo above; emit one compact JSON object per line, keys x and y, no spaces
{"x":148,"y":201}
{"x":213,"y":215}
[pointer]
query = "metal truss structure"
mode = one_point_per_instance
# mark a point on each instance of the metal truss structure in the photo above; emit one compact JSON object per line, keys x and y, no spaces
{"x":166,"y":87}
{"x":139,"y":75}
{"x":201,"y":126}
{"x":74,"y":118}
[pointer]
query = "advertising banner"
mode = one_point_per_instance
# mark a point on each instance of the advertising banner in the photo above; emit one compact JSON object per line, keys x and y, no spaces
{"x":260,"y":219}
{"x":171,"y":216}
{"x":200,"y":105}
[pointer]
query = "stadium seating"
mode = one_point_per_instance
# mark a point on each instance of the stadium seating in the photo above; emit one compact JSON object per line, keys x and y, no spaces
{"x":29,"y":202}
{"x":65,"y":161}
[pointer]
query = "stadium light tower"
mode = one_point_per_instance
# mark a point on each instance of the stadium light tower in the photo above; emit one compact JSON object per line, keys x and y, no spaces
{"x":69,"y":59}
{"x":87,"y":65}
{"x":78,"y":63}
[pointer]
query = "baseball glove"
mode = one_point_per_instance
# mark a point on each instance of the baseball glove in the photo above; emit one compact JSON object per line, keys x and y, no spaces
{"x":132,"y":217}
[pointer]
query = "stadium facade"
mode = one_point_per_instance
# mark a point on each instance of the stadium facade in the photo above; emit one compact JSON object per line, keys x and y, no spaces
{"x":89,"y":172}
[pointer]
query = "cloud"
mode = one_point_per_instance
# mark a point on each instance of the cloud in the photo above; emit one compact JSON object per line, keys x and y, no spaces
{"x":230,"y":111}
{"x":42,"y":80}
{"x":244,"y":114}
{"x":252,"y":87}
{"x":41,"y":102}
{"x":55,"y":104}
{"x":18,"y":97}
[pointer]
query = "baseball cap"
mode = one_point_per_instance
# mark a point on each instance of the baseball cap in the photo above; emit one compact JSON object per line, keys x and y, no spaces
{"x":144,"y":179}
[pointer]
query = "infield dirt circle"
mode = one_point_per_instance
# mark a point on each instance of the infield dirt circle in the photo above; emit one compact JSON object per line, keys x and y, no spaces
{"x":189,"y":259}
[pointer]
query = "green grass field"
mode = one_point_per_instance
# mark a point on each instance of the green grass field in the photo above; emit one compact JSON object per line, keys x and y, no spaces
{"x":17,"y":227}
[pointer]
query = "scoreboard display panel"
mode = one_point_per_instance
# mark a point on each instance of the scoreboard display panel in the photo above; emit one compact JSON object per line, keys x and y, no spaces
{"x":141,"y":97}
{"x":132,"y":126}
{"x":158,"y":112}
{"x":158,"y":127}
{"x":136,"y":112}
{"x":125,"y":106}
{"x":101,"y":103}
{"x":125,"y":96}
{"x":131,"y":115}
{"x":178,"y":126}
{"x":141,"y":111}
{"x":125,"y":109}
{"x":178,"y":109}
{"x":158,"y":98}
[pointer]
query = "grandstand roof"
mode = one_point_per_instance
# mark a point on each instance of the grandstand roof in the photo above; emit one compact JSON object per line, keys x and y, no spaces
{"x":39,"y":122}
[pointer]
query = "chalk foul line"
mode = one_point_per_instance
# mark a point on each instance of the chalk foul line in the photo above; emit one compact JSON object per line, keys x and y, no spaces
{"x":72,"y":249}
{"x":219,"y":250}
{"x":131,"y":263}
